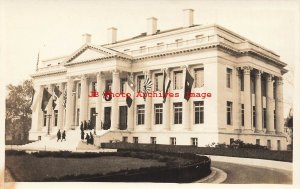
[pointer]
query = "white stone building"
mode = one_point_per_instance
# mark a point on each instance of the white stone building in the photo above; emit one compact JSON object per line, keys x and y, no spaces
{"x":244,"y":79}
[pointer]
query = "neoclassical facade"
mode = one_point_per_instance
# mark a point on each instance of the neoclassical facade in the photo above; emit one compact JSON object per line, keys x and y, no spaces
{"x":243,"y":78}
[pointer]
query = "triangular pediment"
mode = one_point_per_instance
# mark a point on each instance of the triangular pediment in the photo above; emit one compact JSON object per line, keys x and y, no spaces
{"x":89,"y":53}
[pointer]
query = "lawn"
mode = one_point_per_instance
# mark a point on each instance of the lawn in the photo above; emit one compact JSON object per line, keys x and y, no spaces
{"x":31,"y":168}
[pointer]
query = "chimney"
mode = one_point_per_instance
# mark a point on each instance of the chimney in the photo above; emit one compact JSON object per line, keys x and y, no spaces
{"x":112,"y":35}
{"x":188,"y":17}
{"x":86,"y":38}
{"x":152,"y":25}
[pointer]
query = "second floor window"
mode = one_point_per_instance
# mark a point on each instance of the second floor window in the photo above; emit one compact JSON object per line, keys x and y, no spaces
{"x":79,"y":90}
{"x":140,"y":83}
{"x":122,"y":85}
{"x":228,"y":77}
{"x":108,"y":85}
{"x":199,"y":77}
{"x":177,"y":80}
{"x":159,"y":82}
{"x":94,"y":86}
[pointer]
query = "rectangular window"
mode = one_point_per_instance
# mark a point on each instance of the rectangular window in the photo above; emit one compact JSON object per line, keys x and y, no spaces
{"x":231,"y":140}
{"x":140,"y":114}
{"x":229,"y":113}
{"x":177,"y":80}
{"x":257,"y":141}
{"x":178,"y":113}
{"x":159,"y":82}
{"x":253,"y":116}
{"x":158,"y":112}
{"x":194,"y":141}
{"x":242,"y":81}
{"x":45,"y":118}
{"x":140,"y":83}
{"x":199,"y":77}
{"x":108,"y":85}
{"x":55,"y":117}
{"x":274,"y":119}
{"x":122,"y":85}
{"x":228,"y":77}
{"x":278,"y":145}
{"x":79,"y":90}
{"x":172,"y":140}
{"x":264,"y":117}
{"x":94,"y":86}
{"x":135,"y":140}
{"x":269,"y":145}
{"x":242,"y":115}
{"x":199,"y":112}
{"x":153,"y":140}
{"x":125,"y":139}
{"x":252,"y":85}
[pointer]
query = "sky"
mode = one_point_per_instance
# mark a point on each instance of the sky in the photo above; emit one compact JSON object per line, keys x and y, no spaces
{"x":54,"y":28}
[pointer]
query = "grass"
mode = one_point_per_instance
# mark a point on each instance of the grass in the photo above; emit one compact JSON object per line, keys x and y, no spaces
{"x":31,"y":168}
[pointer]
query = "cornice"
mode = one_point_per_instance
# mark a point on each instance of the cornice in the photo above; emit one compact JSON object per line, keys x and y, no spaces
{"x":57,"y":72}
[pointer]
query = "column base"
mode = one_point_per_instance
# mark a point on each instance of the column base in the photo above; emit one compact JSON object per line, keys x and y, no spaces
{"x":247,"y":131}
{"x":259,"y":131}
{"x":270,"y":132}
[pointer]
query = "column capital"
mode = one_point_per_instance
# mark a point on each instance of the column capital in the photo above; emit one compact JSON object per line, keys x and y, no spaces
{"x":167,"y":70}
{"x":258,"y":74}
{"x":147,"y":72}
{"x":269,"y":77}
{"x":247,"y":69}
{"x":279,"y":80}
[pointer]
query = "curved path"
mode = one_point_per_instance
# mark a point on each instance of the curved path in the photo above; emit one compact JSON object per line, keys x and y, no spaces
{"x":252,"y":171}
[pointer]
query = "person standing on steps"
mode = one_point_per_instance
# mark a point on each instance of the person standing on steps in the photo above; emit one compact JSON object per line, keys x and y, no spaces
{"x":58,"y":135}
{"x":82,"y":135}
{"x":63,"y":136}
{"x":84,"y":125}
{"x":81,"y":126}
{"x":87,"y":137}
{"x":91,"y":138}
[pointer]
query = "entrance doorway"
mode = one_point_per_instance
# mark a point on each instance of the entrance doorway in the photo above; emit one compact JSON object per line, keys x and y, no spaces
{"x":123,"y":117}
{"x":107,"y":121}
{"x":93,"y":117}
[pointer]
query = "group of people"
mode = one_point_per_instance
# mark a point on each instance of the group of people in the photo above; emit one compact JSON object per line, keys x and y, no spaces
{"x":88,"y":137}
{"x":61,"y":136}
{"x":86,"y":125}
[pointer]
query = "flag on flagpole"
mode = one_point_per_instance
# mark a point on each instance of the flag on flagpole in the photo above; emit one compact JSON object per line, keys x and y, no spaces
{"x":188,"y":84}
{"x":57,"y":92}
{"x":46,"y":98}
{"x":147,"y":86}
{"x":56,"y":95}
{"x":166,"y":85}
{"x":130,"y":91}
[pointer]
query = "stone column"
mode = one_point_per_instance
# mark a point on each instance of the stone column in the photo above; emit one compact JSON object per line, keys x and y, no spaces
{"x":99,"y":88}
{"x":61,"y":107}
{"x":270,"y":111}
{"x":279,"y":106}
{"x":50,"y":109}
{"x":236,"y":97}
{"x":84,"y":99}
{"x":258,"y":102}
{"x":166,"y":109}
{"x":70,"y":104}
{"x":185,"y":106}
{"x":115,"y":105}
{"x":247,"y":100}
{"x":148,"y":108}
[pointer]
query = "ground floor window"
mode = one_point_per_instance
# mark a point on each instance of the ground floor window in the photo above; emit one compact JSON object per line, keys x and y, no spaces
{"x":229,"y":113}
{"x":153,"y":140}
{"x":178,"y":113}
{"x":199,"y":112}
{"x":257,"y":141}
{"x":45,"y":118}
{"x":158,"y":110}
{"x":278,"y":145}
{"x":125,"y":139}
{"x":265,"y":117}
{"x":269,"y":144}
{"x":242,"y":115}
{"x":135,"y":140}
{"x":231,"y":141}
{"x":253,"y":116}
{"x":140,"y":114}
{"x":172,"y":140}
{"x":55,"y":117}
{"x":194,"y":141}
